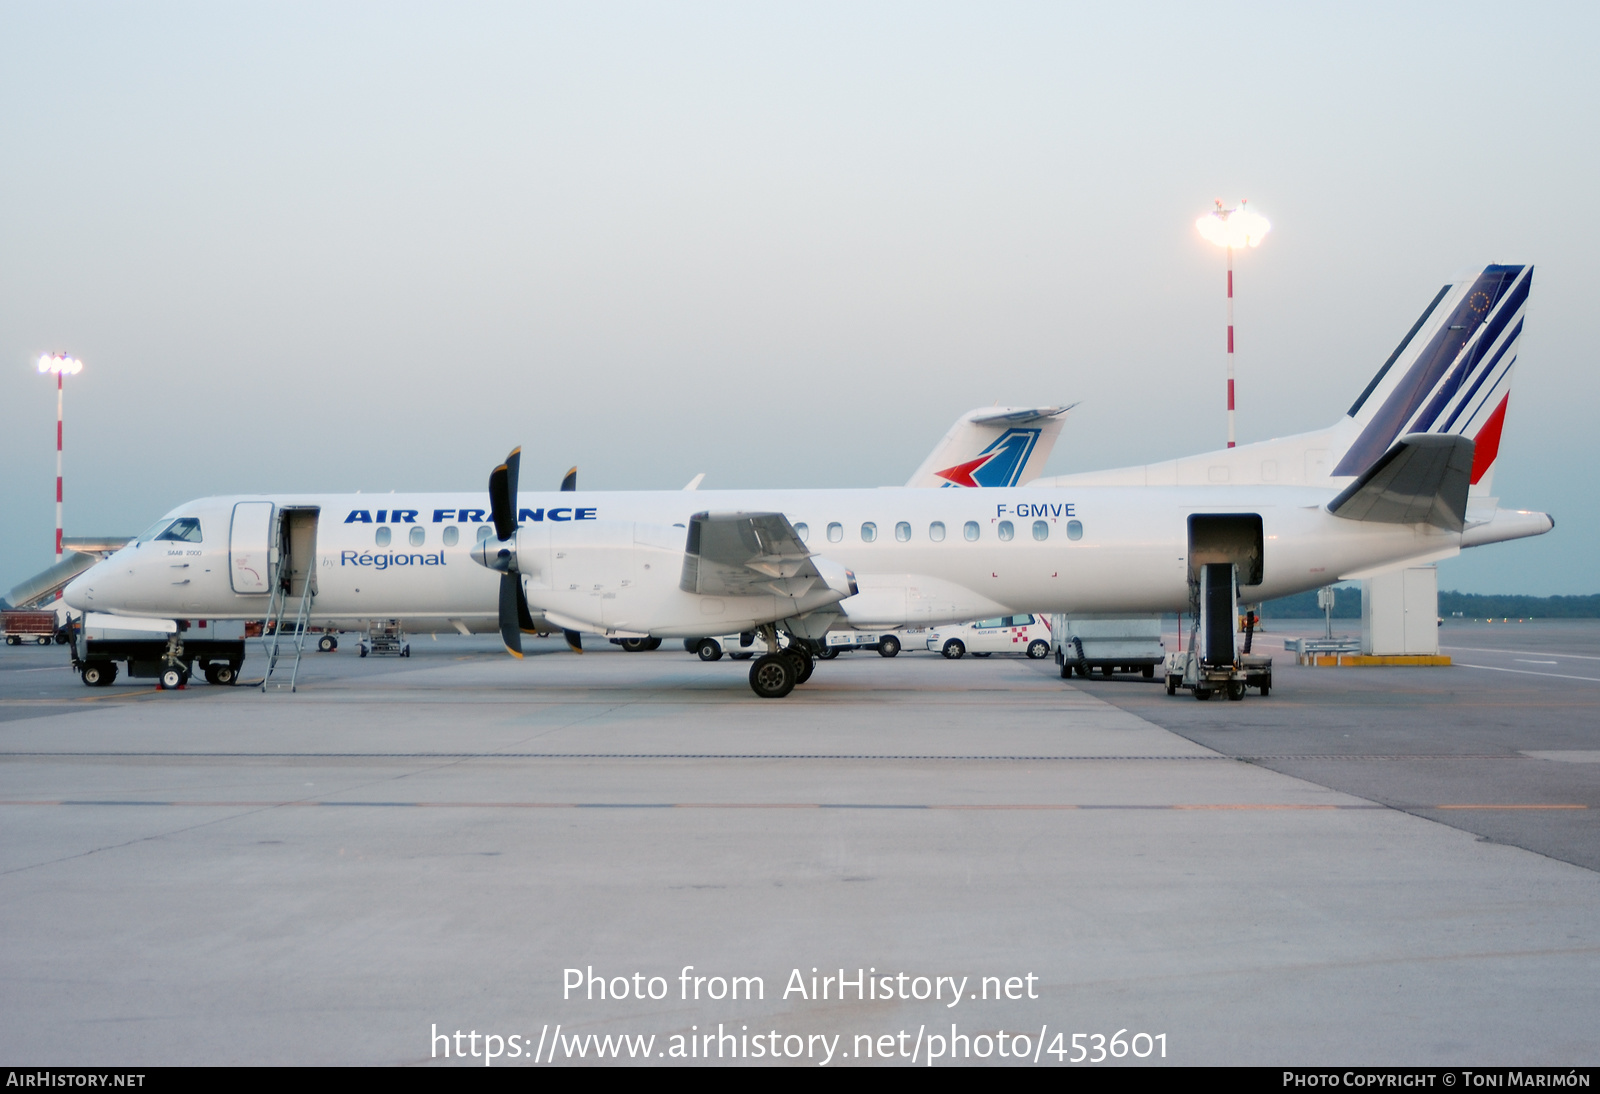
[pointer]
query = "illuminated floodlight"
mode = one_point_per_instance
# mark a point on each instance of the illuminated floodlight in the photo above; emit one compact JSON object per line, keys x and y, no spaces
{"x":1232,"y":228}
{"x":60,"y":364}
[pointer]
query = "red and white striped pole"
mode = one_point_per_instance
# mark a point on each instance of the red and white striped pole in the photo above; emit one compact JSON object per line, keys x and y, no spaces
{"x":59,"y":379}
{"x":63,"y":366}
{"x":1230,"y":228}
{"x":1230,"y":347}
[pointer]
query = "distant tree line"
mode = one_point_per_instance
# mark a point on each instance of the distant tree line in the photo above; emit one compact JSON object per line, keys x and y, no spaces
{"x":1470,"y":605}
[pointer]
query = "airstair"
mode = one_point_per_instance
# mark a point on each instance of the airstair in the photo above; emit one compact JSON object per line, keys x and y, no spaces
{"x":294,"y":590}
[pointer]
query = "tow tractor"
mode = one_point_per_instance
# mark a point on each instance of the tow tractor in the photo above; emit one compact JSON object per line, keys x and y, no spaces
{"x":1219,"y":547}
{"x":169,"y":661}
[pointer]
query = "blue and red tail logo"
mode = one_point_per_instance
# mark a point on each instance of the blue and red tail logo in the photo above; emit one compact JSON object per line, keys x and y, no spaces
{"x":1000,"y":464}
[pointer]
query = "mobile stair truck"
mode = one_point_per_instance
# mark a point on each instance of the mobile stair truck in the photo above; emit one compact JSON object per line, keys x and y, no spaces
{"x":1222,"y":549}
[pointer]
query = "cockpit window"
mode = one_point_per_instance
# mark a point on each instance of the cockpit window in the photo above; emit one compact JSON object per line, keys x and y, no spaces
{"x":154,"y":530}
{"x":182,"y":530}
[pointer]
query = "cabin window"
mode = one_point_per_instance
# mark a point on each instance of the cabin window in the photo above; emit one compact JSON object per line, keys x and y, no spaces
{"x":936,"y":531}
{"x":869,"y":532}
{"x":1007,"y":530}
{"x":970,"y":530}
{"x":182,"y":530}
{"x":803,"y":530}
{"x":902,"y":532}
{"x":1041,"y":530}
{"x":382,"y":536}
{"x":452,"y":535}
{"x":1074,"y":529}
{"x":485,"y":531}
{"x":417,"y":535}
{"x":835,"y":532}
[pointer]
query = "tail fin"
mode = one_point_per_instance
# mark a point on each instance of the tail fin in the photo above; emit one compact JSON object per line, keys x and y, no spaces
{"x":993,"y":446}
{"x":1450,"y":374}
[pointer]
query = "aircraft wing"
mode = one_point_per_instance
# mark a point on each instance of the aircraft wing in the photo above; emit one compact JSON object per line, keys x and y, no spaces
{"x":746,"y":554}
{"x":1422,"y":479}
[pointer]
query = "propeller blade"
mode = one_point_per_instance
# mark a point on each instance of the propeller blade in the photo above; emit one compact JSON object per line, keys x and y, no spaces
{"x":570,"y":481}
{"x":524,"y":617}
{"x":503,"y":495}
{"x":574,"y":641}
{"x":510,"y":599}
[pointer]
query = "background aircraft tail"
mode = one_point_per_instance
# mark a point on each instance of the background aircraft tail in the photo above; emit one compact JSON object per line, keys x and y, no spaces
{"x":1450,"y":374}
{"x":993,"y":446}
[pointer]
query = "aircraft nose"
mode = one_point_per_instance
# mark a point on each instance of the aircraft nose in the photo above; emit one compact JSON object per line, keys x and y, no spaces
{"x":87,"y":592}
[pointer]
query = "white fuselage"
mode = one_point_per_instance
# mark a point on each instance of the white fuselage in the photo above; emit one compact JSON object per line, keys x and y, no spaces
{"x":611,"y":561}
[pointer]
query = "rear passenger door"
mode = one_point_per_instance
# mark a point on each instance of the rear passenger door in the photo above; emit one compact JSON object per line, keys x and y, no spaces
{"x":989,"y":635}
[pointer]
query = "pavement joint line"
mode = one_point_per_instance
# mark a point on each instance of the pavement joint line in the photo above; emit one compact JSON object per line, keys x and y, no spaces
{"x":1529,"y":672}
{"x":910,"y":806}
{"x":1243,"y":758}
{"x":1530,"y":653}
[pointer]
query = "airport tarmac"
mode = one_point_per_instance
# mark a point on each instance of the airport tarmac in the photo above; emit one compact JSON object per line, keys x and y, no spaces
{"x":1371,"y":866}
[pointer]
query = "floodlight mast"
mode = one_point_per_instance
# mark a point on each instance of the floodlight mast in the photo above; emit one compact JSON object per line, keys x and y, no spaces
{"x":63,"y":366}
{"x":1230,"y":228}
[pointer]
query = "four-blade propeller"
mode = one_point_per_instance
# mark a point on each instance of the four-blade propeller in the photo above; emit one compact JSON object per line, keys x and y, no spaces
{"x":515,"y":618}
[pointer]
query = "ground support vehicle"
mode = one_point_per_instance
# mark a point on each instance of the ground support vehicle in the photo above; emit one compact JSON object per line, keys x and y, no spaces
{"x":41,"y":628}
{"x":385,"y":638}
{"x":886,"y":643}
{"x":327,"y":639}
{"x":170,"y":660}
{"x":1024,"y":634}
{"x":740,"y":647}
{"x":1213,"y":662}
{"x":1084,"y":643}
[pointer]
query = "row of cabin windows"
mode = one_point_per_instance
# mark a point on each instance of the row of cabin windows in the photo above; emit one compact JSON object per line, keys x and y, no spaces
{"x":418,"y":535}
{"x":972,"y":531}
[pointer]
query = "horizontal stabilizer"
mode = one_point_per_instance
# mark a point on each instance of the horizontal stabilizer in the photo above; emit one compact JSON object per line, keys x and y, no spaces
{"x":1422,"y":479}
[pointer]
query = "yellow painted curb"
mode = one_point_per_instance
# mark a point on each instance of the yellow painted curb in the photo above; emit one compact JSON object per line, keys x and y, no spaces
{"x":1362,"y":660}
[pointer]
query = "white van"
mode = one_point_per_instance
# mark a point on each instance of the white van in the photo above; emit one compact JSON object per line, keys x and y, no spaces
{"x":1024,"y":634}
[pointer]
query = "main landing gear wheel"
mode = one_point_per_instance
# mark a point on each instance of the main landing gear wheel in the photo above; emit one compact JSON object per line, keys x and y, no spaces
{"x":888,"y":646}
{"x":708,"y":650}
{"x":1038,"y":649}
{"x":772,"y":676}
{"x":172,"y":678}
{"x":99,"y":674}
{"x":327,"y":643}
{"x":803,"y":664}
{"x":954,"y":650}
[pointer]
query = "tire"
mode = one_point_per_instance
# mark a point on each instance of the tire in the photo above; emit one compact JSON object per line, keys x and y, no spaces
{"x":772,"y":676}
{"x":13,"y":640}
{"x":1066,"y":670}
{"x":222,"y":675}
{"x":43,"y":640}
{"x":803,"y":663}
{"x":171,"y":678}
{"x":1264,"y":689}
{"x":690,"y":645}
{"x":708,"y":650}
{"x":99,"y":674}
{"x":1038,"y":649}
{"x":362,"y":649}
{"x":954,"y":650}
{"x":829,"y":653}
{"x":405,"y":650}
{"x":1235,"y":691}
{"x":888,"y":646}
{"x":1172,"y":685}
{"x":1148,"y":672}
{"x":633,"y":645}
{"x":742,"y":655}
{"x":327,"y":644}
{"x":652,"y":643}
{"x":1202,"y":694}
{"x":1105,"y":672}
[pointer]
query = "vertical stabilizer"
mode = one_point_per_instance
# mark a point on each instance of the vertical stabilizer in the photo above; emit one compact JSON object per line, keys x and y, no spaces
{"x":993,"y":446}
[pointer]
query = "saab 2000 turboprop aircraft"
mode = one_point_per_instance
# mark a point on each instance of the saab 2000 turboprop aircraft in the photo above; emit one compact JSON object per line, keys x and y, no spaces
{"x":682,"y":564}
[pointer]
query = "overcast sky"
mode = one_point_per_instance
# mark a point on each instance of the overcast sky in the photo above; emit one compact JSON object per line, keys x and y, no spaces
{"x":336,"y":246}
